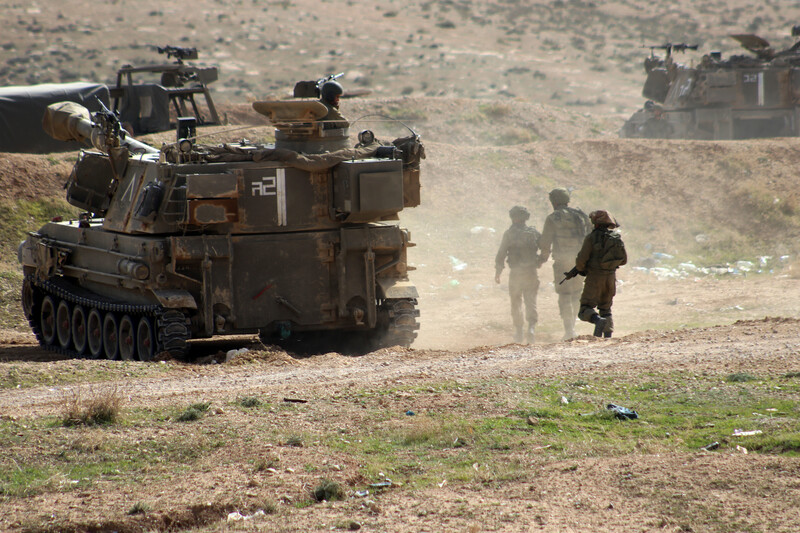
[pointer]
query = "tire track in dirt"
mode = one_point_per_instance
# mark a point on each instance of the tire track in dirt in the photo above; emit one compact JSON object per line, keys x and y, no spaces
{"x":766,"y":346}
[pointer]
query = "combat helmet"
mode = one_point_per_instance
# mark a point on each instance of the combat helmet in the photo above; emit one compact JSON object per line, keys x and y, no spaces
{"x":559,"y":196}
{"x":330,"y":90}
{"x":519,"y":212}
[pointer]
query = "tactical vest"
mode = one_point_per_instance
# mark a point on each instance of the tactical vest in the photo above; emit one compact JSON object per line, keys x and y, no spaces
{"x":523,"y":246}
{"x":570,"y":228}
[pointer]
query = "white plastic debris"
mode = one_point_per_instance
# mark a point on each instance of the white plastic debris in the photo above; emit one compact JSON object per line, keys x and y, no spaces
{"x":231,"y":354}
{"x":740,"y":433}
{"x":478,"y":230}
{"x":458,"y":264}
{"x":661,"y":255}
{"x":236,"y":516}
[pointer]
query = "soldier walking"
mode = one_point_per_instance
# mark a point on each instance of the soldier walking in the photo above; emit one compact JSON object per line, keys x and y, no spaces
{"x":520,"y":247}
{"x":601,"y":254}
{"x":564,"y":230}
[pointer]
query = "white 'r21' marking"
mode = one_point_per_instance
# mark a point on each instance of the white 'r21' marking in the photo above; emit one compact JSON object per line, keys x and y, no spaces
{"x":274,"y":186}
{"x":265,"y":187}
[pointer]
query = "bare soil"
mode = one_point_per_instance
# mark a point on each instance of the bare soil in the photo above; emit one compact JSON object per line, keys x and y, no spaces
{"x":626,"y":493}
{"x":554,"y":80}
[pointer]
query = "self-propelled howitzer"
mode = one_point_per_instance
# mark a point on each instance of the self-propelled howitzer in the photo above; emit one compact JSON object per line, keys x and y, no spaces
{"x":738,"y":97}
{"x":191,"y":241}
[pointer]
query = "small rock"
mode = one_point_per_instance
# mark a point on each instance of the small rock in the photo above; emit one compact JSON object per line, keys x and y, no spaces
{"x":354,"y":526}
{"x":372,"y":506}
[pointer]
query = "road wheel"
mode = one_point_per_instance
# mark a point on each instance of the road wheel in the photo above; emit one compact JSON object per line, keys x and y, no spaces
{"x":64,"y":324}
{"x":127,"y":336}
{"x":79,"y":329}
{"x":110,"y":336}
{"x":145,"y":340}
{"x":47,"y":319}
{"x":94,"y":333}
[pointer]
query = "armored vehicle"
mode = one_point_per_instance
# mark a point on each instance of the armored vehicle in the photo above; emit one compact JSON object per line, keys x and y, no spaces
{"x":742,"y":97}
{"x":148,"y":107}
{"x":192,"y":241}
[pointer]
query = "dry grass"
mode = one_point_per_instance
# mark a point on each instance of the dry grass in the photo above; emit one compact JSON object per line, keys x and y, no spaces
{"x":91,"y":406}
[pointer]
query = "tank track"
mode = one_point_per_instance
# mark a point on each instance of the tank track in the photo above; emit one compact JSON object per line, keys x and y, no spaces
{"x":171,"y":327}
{"x":400,"y":326}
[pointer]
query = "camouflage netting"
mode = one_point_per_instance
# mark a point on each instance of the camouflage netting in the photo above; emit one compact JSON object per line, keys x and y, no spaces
{"x":309,"y":162}
{"x":412,"y":152}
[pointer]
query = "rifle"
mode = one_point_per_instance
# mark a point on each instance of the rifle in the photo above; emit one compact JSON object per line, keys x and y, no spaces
{"x":332,"y":77}
{"x":178,"y":52}
{"x":569,"y":275}
{"x":669,"y":47}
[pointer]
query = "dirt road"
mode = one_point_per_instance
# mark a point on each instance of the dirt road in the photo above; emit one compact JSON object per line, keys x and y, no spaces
{"x":768,"y":345}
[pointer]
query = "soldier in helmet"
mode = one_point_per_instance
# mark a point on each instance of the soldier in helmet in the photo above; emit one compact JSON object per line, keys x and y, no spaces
{"x":601,"y":254}
{"x":564,"y":230}
{"x":520,"y":247}
{"x":330,"y":92}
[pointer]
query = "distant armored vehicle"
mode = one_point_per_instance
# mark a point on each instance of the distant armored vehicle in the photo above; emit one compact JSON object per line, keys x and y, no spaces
{"x":742,"y":97}
{"x":192,"y":241}
{"x":146,"y":107}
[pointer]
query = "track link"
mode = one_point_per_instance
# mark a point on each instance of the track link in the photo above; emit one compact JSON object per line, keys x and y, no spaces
{"x":400,"y":322}
{"x":171,"y":325}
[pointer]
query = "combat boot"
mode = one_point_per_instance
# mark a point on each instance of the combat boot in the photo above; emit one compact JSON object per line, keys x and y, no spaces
{"x":599,"y":325}
{"x":609,"y":326}
{"x":518,"y":335}
{"x":529,"y":336}
{"x":569,"y":329}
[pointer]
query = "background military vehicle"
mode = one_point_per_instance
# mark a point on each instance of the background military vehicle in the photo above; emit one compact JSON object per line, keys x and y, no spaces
{"x":191,"y":241}
{"x":146,"y":107}
{"x":742,"y":97}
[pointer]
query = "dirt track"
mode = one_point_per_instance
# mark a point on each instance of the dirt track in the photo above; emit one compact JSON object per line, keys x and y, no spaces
{"x":768,"y":346}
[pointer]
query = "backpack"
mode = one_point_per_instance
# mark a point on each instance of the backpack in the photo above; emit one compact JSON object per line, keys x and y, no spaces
{"x":610,"y":250}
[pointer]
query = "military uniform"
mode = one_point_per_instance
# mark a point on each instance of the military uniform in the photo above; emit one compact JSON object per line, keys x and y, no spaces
{"x":519,"y":248}
{"x":564,"y":230}
{"x":600,"y":285}
{"x":334,"y":119}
